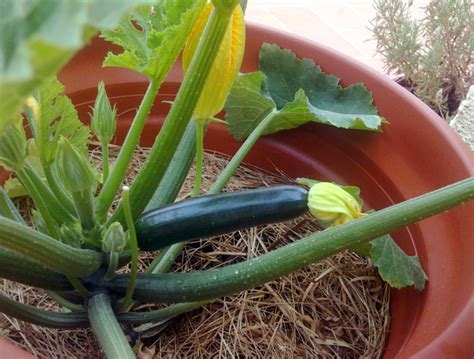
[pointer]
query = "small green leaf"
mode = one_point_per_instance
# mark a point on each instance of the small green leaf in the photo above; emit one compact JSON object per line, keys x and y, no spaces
{"x":37,"y":37}
{"x":49,"y":130}
{"x":152,"y":37}
{"x":298,"y":92}
{"x":395,"y":266}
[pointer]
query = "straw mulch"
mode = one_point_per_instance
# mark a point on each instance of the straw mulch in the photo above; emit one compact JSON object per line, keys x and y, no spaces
{"x":338,"y":307}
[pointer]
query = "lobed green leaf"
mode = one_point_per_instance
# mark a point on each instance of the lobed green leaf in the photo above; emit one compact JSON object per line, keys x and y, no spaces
{"x":152,"y":37}
{"x":298,"y":92}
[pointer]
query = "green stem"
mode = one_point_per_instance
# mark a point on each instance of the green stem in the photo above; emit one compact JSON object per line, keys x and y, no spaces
{"x":20,"y":269}
{"x":57,"y":210}
{"x":64,"y":302}
{"x":47,"y":251}
{"x":105,"y":160}
{"x":112,"y":266}
{"x":179,"y":116}
{"x":42,"y":317}
{"x":177,"y":171}
{"x":239,"y":156}
{"x":8,"y":209}
{"x":84,"y":203}
{"x":113,"y":181}
{"x":164,"y":261}
{"x":58,"y":190}
{"x":170,"y":254}
{"x":127,"y":300}
{"x":79,"y":287}
{"x":39,"y":202}
{"x":199,"y":159}
{"x":80,"y":319}
{"x":107,"y":329}
{"x":201,"y":285}
{"x":160,"y":315}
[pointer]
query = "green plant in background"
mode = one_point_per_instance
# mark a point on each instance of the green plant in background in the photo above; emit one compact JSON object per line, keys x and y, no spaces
{"x":78,"y":242}
{"x":432,"y":56}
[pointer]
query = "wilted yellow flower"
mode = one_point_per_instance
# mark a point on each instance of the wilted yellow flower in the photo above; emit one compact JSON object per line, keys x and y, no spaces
{"x":226,"y":64}
{"x":332,"y":205}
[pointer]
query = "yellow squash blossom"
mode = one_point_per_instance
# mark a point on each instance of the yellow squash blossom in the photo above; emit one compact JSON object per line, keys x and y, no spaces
{"x":332,"y":205}
{"x":226,"y":65}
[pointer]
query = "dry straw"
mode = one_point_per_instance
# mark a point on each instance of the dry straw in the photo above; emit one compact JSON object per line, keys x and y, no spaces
{"x":336,"y":308}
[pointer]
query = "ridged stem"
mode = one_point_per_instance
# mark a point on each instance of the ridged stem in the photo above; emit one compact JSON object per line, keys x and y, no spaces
{"x":179,"y":116}
{"x":58,"y":190}
{"x":127,"y":300}
{"x":105,"y":160}
{"x":199,"y":159}
{"x":114,"y":180}
{"x":47,"y":251}
{"x":107,"y":329}
{"x":80,"y":319}
{"x":8,"y":209}
{"x":201,"y":285}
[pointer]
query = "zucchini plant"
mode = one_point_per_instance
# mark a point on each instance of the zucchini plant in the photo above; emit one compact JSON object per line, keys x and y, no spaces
{"x":78,"y":242}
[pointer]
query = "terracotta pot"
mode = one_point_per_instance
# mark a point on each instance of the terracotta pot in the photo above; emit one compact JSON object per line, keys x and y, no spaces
{"x":417,"y":153}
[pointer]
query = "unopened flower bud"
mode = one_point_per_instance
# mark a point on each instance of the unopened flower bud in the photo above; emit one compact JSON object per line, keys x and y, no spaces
{"x":74,"y":168}
{"x":103,"y":121}
{"x":115,"y":239}
{"x":332,"y":205}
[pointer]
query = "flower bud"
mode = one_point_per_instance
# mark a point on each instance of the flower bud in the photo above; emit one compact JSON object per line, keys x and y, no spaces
{"x":103,"y":121}
{"x":226,"y":64}
{"x":13,"y":146}
{"x":74,"y":168}
{"x":115,"y":239}
{"x":332,"y":205}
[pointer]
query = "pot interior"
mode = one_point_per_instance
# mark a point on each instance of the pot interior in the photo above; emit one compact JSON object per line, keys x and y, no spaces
{"x":310,"y":151}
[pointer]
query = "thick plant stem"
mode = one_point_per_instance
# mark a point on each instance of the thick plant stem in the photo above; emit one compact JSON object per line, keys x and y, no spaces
{"x":127,"y":300}
{"x":201,"y":285}
{"x":199,"y":159}
{"x":160,"y":315}
{"x":166,"y":258}
{"x":58,"y":190}
{"x":39,"y":203}
{"x":105,"y":160}
{"x":84,"y":203}
{"x":179,"y":116}
{"x":18,"y":268}
{"x":8,"y":209}
{"x":79,"y":319}
{"x":42,"y":317}
{"x":47,"y":251}
{"x":237,"y":159}
{"x":107,"y":329}
{"x":177,"y":170}
{"x":112,"y":266}
{"x":56,"y":208}
{"x":169,"y":254}
{"x":113,"y":181}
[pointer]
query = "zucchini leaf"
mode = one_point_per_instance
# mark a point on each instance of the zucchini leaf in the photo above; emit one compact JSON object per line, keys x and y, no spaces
{"x":297,"y":92}
{"x":37,"y":37}
{"x":49,"y":129}
{"x":152,"y":37}
{"x":396,"y":267}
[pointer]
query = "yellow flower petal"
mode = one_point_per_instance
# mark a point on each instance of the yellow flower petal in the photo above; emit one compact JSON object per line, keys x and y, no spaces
{"x":226,"y":65}
{"x":332,"y":205}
